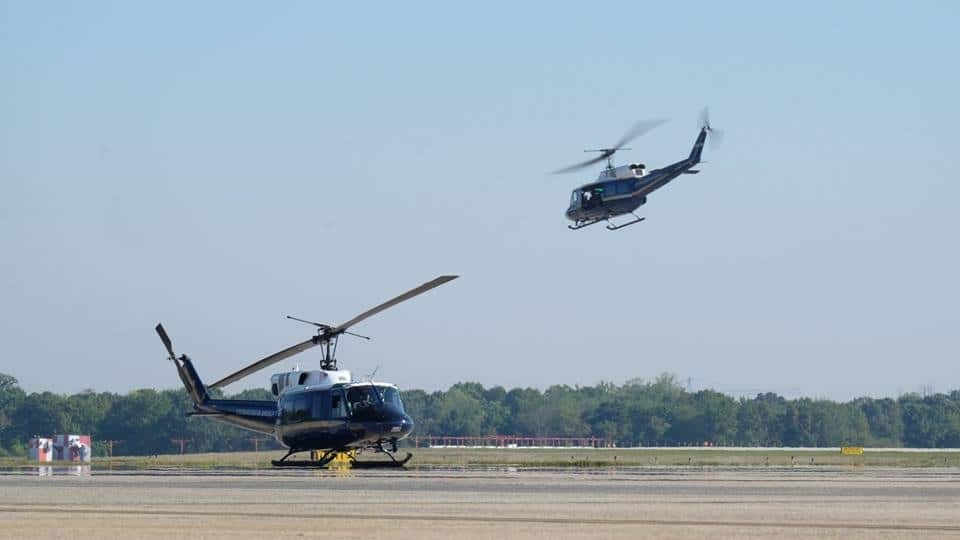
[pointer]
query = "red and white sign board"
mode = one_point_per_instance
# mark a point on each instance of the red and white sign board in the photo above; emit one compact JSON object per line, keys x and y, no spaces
{"x":41,"y":449}
{"x":74,"y":448}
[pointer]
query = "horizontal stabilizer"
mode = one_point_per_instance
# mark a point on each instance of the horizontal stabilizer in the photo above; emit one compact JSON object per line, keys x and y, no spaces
{"x":691,"y":171}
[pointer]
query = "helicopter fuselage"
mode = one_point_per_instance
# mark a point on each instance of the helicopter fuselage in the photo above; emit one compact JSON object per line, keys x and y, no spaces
{"x":340,"y":416}
{"x":344,"y":416}
{"x":315,"y":409}
{"x":622,"y":190}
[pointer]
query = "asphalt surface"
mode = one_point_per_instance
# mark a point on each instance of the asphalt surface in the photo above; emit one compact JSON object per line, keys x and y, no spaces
{"x":483,"y":503}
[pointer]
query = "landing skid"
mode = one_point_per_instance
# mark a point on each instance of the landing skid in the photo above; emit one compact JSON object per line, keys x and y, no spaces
{"x":313,"y":463}
{"x":394,"y":463}
{"x":329,"y":456}
{"x":612,"y":227}
{"x":582,"y":224}
{"x":300,"y":463}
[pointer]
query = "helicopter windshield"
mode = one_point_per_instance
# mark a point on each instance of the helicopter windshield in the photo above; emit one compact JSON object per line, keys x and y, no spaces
{"x":364,"y":396}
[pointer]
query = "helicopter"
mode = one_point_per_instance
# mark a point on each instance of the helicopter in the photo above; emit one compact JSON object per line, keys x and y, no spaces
{"x":315,"y":410}
{"x":618,"y":191}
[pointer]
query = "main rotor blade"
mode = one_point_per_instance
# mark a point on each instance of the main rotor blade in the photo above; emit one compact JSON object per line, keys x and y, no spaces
{"x":266,"y":362}
{"x":390,"y":303}
{"x":328,"y":332}
{"x":637,"y":130}
{"x":166,"y":340}
{"x":581,"y":165}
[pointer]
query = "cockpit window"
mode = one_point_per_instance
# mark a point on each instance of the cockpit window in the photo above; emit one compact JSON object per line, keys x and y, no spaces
{"x":364,"y":396}
{"x":361,"y":396}
{"x":391,"y":397}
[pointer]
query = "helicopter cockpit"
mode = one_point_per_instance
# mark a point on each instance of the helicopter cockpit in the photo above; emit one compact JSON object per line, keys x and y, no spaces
{"x":358,"y":402}
{"x":365,"y":395}
{"x":593,"y":195}
{"x":586,"y":198}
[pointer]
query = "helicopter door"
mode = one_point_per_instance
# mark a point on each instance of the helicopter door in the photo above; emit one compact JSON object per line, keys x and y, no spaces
{"x":338,"y":404}
{"x":592,"y":198}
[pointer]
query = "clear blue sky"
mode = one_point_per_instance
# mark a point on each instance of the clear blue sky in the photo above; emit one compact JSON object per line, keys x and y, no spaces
{"x":216,"y":165}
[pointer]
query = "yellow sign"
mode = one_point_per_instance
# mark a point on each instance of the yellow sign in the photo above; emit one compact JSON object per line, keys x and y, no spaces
{"x":852,"y":450}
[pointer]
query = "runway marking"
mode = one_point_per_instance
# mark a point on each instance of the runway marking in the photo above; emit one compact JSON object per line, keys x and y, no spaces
{"x":483,"y":519}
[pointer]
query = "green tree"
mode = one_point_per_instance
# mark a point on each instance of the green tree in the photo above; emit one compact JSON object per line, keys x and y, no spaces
{"x":460,"y":412}
{"x":761,"y":421}
{"x":145,"y":420}
{"x":608,"y":420}
{"x":717,"y":418}
{"x":930,"y":422}
{"x":884,"y":419}
{"x":525,"y":406}
{"x":11,"y":395}
{"x":40,"y":414}
{"x":652,"y":413}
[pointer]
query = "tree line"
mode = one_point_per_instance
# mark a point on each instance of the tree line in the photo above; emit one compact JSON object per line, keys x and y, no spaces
{"x":638,"y":413}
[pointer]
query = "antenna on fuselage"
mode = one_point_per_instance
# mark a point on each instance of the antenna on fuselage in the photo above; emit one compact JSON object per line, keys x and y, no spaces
{"x":373,"y":385}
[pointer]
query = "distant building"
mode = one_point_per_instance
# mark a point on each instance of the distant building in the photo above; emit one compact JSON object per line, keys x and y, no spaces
{"x":75,"y":448}
{"x":41,"y":449}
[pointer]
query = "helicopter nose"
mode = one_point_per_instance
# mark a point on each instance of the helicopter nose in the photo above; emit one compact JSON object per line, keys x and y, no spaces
{"x":398,"y":427}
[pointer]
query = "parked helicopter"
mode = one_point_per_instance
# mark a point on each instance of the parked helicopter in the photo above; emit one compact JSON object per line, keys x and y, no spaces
{"x":315,"y":410}
{"x":621,"y":190}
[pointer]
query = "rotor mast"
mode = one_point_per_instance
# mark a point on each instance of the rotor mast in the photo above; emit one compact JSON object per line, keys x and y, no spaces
{"x":327,"y":338}
{"x":329,"y":347}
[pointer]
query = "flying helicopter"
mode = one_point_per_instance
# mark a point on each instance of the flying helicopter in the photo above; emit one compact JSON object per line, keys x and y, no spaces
{"x":618,"y":191}
{"x":315,"y":410}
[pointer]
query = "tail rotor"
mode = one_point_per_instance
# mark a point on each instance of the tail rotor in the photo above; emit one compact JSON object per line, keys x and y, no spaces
{"x":188,"y":375}
{"x":716,"y":135}
{"x":166,"y":341}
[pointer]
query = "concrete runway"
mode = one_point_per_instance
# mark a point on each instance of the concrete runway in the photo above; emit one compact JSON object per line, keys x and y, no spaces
{"x":477,"y":503}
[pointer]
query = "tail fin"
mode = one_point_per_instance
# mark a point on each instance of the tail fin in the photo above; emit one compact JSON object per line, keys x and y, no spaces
{"x":698,"y":146}
{"x":191,"y":381}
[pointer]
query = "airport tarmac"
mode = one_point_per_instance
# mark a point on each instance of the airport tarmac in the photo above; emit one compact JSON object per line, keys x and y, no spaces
{"x":499,"y":503}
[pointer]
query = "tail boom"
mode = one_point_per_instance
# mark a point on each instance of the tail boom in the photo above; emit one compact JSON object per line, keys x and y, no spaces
{"x":698,"y":146}
{"x":254,"y":415}
{"x":191,"y":381}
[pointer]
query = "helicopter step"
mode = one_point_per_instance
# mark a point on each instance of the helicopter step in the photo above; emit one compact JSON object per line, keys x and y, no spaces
{"x":612,"y":227}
